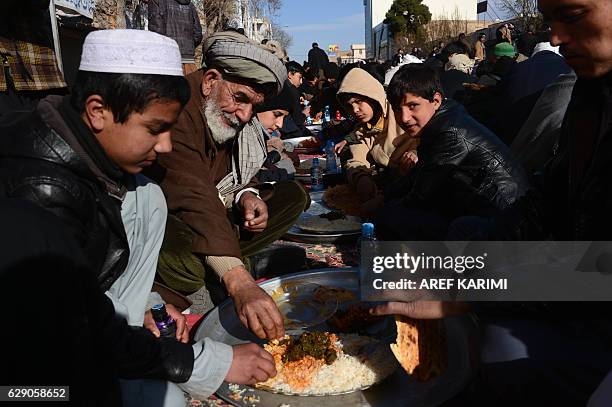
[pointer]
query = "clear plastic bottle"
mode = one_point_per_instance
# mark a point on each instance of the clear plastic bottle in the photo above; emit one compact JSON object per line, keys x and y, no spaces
{"x":330,"y":158}
{"x":326,"y":115}
{"x":366,"y":241}
{"x":163,"y":321}
{"x":316,"y":181}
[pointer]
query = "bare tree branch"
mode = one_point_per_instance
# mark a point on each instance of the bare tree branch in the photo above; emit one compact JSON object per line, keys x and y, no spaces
{"x":525,"y":10}
{"x":281,"y":36}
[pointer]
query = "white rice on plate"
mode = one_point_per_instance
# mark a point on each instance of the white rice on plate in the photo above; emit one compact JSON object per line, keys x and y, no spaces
{"x":352,"y":370}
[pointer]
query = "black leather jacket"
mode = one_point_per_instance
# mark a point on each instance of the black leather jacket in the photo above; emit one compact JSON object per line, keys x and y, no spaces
{"x":463,"y":168}
{"x":79,"y":341}
{"x":37,"y":163}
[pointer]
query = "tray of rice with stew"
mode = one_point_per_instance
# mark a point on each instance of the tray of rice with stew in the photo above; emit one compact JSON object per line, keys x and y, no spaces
{"x":345,"y":357}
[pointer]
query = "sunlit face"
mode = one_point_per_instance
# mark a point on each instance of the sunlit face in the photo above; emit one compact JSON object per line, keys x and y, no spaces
{"x":272,"y":119}
{"x":583,"y":30}
{"x":414,"y":112}
{"x":295,"y":78}
{"x":228,"y":106}
{"x":135,"y":144}
{"x":361,"y":109}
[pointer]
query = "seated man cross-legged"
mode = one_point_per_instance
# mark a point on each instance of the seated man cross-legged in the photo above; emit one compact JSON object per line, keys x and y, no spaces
{"x":208,"y":182}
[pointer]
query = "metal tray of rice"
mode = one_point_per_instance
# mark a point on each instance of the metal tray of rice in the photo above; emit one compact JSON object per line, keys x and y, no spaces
{"x":396,"y":389}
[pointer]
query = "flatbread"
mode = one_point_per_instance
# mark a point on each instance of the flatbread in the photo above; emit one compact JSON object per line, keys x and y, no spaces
{"x":322,"y":225}
{"x":420,"y":347}
{"x":342,"y":197}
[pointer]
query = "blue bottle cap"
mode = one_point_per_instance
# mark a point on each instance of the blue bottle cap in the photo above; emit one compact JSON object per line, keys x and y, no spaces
{"x":315,"y":161}
{"x":367,"y":229}
{"x":330,"y":143}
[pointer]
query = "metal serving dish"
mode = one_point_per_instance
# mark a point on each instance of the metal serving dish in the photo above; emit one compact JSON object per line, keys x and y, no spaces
{"x":223,"y":325}
{"x":316,"y":208}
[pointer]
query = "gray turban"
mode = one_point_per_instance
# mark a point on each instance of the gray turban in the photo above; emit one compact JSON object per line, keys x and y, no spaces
{"x":236,"y":56}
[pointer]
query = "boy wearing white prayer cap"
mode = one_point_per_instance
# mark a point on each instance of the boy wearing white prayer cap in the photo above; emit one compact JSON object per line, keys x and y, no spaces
{"x":80,"y":157}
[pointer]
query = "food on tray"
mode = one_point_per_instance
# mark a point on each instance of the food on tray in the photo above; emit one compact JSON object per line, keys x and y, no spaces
{"x":309,"y":143}
{"x":318,"y":363}
{"x":323,"y":293}
{"x":342,"y":197}
{"x":420,"y":347}
{"x":354,"y":318}
{"x":330,"y":222}
{"x":297,"y":303}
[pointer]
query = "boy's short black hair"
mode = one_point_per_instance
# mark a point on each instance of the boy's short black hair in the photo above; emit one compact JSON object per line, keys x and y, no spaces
{"x":418,"y":79}
{"x":126,"y":93}
{"x":293,"y":66}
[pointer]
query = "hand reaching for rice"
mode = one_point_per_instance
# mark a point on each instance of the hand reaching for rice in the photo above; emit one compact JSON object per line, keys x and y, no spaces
{"x":255,"y":308}
{"x":250,"y":364}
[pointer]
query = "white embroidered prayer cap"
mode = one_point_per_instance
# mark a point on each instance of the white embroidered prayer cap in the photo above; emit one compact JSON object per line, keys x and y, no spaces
{"x":131,"y":51}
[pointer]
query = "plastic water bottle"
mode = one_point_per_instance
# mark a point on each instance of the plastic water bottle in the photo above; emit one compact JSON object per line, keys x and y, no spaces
{"x":366,"y":244}
{"x":308,"y":121}
{"x":366,"y":241}
{"x":316,"y":183}
{"x":330,"y":157}
{"x":163,"y":321}
{"x":367,"y":232}
{"x":326,"y":115}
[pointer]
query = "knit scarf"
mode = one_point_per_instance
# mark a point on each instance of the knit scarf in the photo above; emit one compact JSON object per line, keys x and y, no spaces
{"x":248,"y":155}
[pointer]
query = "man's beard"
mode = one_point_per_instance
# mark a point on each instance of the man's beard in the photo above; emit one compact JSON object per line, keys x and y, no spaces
{"x":222,"y":130}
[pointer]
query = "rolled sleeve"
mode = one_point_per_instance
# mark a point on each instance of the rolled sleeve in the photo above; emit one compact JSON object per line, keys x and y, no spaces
{"x":212,"y":361}
{"x":222,"y":264}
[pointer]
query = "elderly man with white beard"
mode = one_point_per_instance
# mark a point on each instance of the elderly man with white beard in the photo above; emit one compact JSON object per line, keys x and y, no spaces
{"x":217,"y":218}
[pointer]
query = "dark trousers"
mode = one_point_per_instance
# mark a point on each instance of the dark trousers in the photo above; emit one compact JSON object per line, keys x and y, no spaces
{"x":182,"y":270}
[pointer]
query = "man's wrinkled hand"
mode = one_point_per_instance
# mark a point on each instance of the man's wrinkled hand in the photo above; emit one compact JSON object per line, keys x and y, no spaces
{"x":250,"y":364}
{"x":254,"y":211}
{"x":182,"y":331}
{"x":421,"y":309}
{"x":258,"y":312}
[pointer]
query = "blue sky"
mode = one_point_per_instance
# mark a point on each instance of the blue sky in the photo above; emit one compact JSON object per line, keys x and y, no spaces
{"x":324,"y":21}
{"x":327,"y":22}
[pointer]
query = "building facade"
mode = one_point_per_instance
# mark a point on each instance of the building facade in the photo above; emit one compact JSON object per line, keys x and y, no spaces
{"x":355,"y":54}
{"x":379,"y":44}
